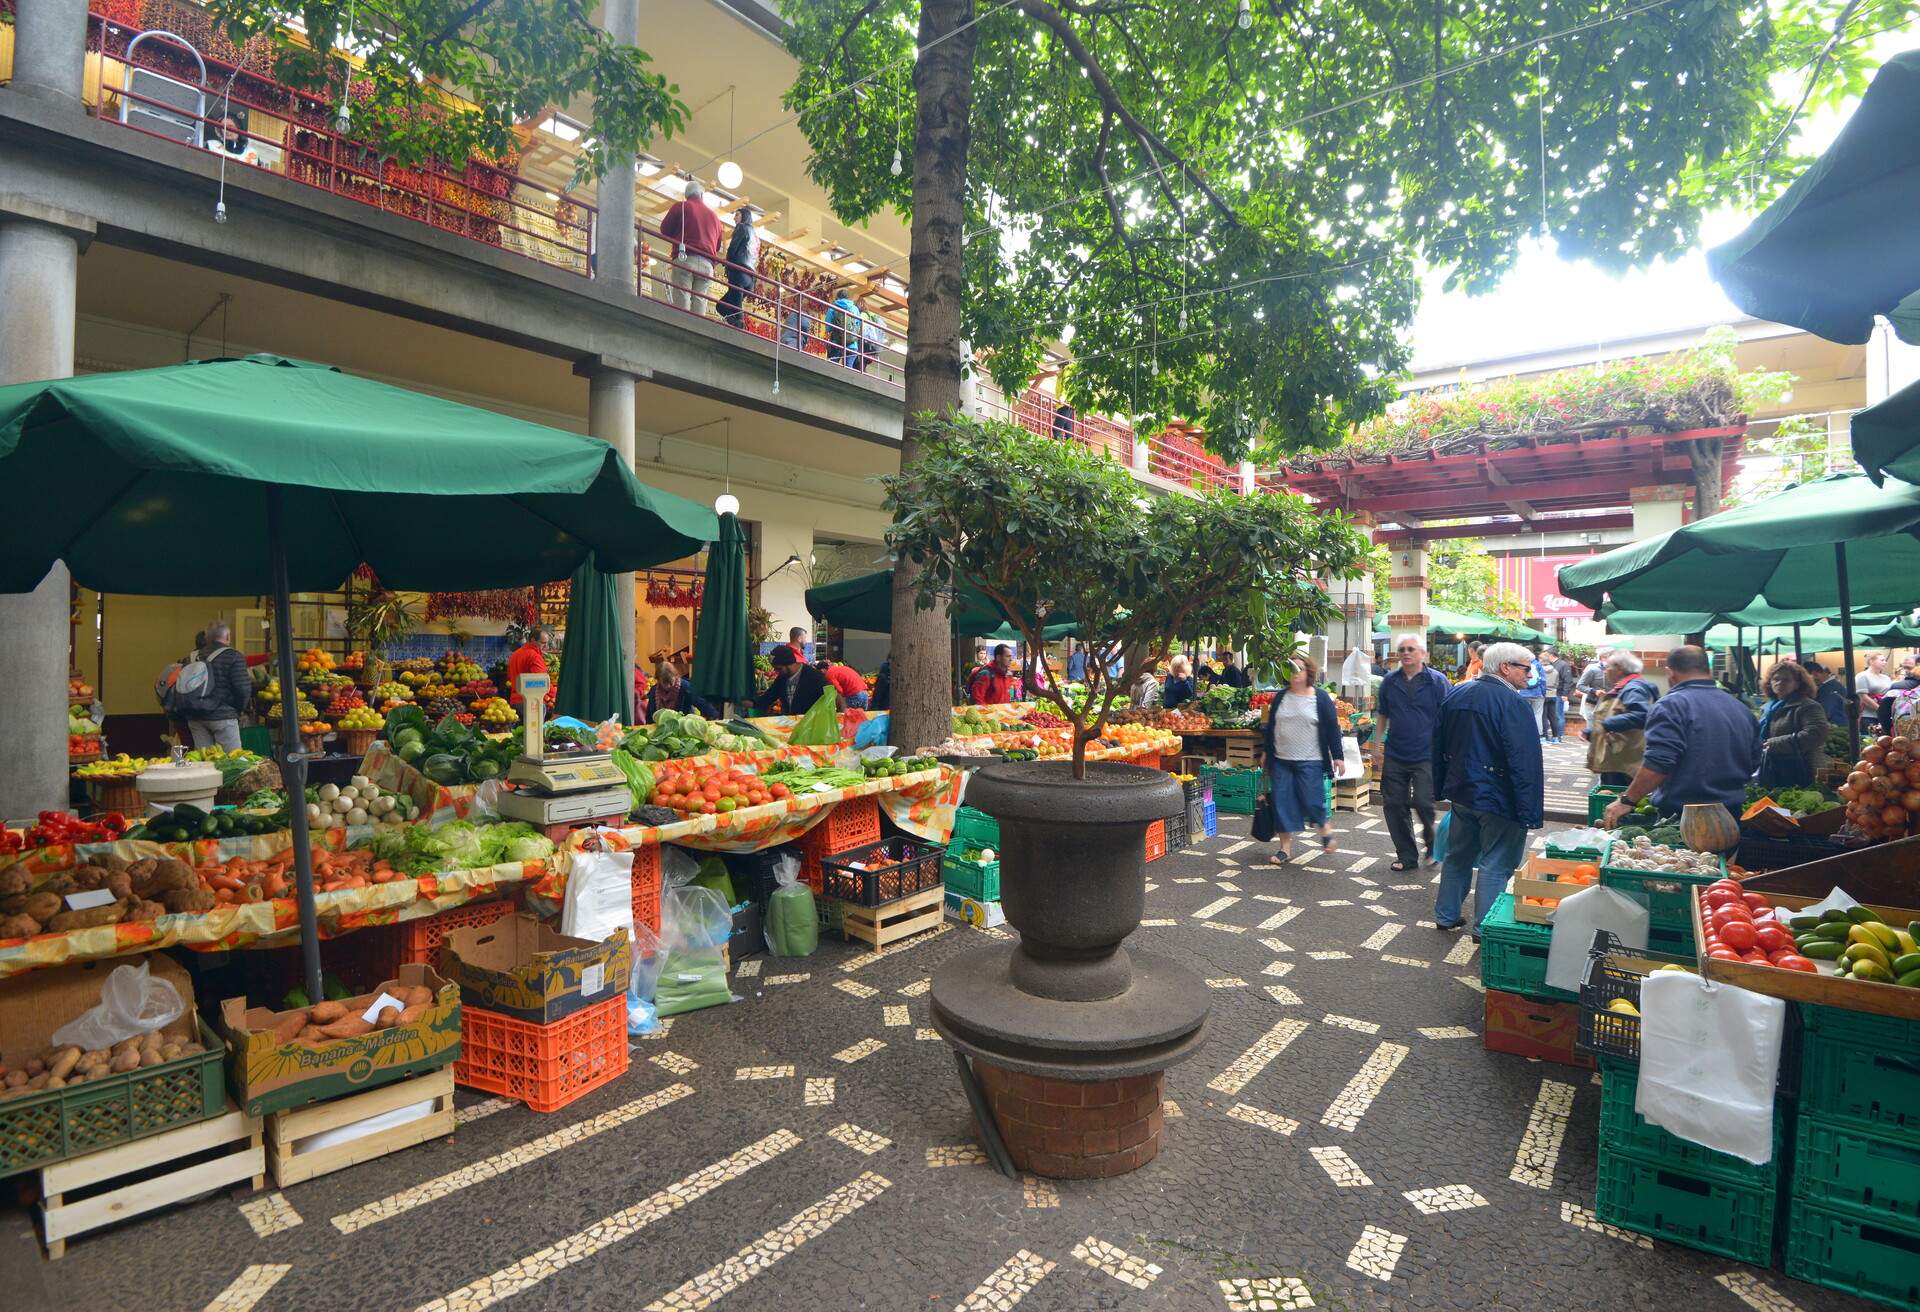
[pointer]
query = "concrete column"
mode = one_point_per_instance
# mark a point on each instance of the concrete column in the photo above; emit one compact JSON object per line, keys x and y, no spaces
{"x":1407,"y":587}
{"x":39,"y":267}
{"x":50,"y":49}
{"x":1657,"y":510}
{"x":783,"y":592}
{"x":1246,"y":478}
{"x":1139,"y":452}
{"x":610,"y":418}
{"x":615,"y":258}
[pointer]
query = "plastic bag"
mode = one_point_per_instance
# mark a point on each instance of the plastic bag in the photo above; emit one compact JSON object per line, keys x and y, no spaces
{"x":599,"y":895}
{"x":1569,"y":839}
{"x":820,"y":726}
{"x":874,"y":731}
{"x":131,"y":1002}
{"x":678,"y":867}
{"x":693,"y":917}
{"x":1440,"y":837}
{"x":648,"y":958}
{"x":792,"y":928}
{"x":713,"y":874}
{"x":1576,"y":919}
{"x":1709,"y":1056}
{"x":691,"y":979}
{"x":486,"y":804}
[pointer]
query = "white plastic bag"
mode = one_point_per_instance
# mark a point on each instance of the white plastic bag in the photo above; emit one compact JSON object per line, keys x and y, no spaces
{"x":131,"y":1002}
{"x":599,"y":896}
{"x":1709,"y":1057}
{"x":1574,"y":922}
{"x":678,"y":867}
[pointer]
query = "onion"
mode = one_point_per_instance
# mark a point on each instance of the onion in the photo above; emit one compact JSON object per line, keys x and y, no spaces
{"x":1873,"y":755}
{"x":1859,"y":779}
{"x":1845,"y":791}
{"x":1897,"y":760}
{"x":1884,"y":741}
{"x":1901,"y":744}
{"x":1911,"y":800}
{"x":1894,"y":817}
{"x":1876,"y":772}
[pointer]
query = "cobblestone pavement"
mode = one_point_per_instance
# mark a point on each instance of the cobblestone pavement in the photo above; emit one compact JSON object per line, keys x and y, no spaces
{"x":1342,"y":1141}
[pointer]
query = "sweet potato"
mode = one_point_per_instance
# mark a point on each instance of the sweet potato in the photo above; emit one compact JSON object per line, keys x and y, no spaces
{"x":91,"y":918}
{"x":141,"y":910}
{"x":90,"y":876}
{"x":416,"y":995}
{"x":411,"y":1014}
{"x":190,"y":900}
{"x":119,"y":885}
{"x":348,"y":1027}
{"x":13,"y":880}
{"x":18,"y":927}
{"x":325,"y":1013}
{"x":167,"y":875}
{"x":310,"y":1034}
{"x":41,"y":906}
{"x":63,"y":1060}
{"x":386,"y":1016}
{"x":289,"y":1029}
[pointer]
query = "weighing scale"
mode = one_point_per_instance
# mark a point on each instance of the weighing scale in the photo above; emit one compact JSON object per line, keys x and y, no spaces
{"x":556,"y":787}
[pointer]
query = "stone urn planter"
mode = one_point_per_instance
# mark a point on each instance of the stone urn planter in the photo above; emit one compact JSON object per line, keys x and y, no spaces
{"x":1070,"y":1030}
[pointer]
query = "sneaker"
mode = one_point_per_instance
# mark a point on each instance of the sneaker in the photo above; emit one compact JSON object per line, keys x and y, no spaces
{"x":1450,"y":926}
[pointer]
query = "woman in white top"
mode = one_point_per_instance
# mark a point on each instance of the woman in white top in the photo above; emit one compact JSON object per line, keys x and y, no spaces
{"x":1300,"y":739}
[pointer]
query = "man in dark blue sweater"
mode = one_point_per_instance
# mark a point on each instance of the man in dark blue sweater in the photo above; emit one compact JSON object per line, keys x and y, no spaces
{"x":1703,"y":744}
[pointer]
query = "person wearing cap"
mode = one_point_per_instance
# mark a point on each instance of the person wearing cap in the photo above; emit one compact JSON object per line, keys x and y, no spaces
{"x":795,"y":688}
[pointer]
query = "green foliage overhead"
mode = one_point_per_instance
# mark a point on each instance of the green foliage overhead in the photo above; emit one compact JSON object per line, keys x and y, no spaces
{"x":1463,"y":577}
{"x":513,"y":59}
{"x":1127,"y":155}
{"x":1047,"y":528}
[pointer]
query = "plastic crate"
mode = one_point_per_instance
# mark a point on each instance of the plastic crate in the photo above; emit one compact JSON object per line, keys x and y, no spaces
{"x":1759,"y":851}
{"x":1513,"y":956}
{"x":895,"y":868}
{"x":1602,"y":796}
{"x":837,"y":835}
{"x":544,"y":1066}
{"x":1850,"y":1168}
{"x":973,"y":828}
{"x":1610,"y":975}
{"x":1856,"y":1254}
{"x":828,"y":914}
{"x":1856,"y":1065}
{"x":1178,"y":835}
{"x":1624,"y":1129}
{"x":646,"y":886}
{"x":421,"y":939}
{"x":1236,"y":788}
{"x":1697,"y":1211}
{"x":1156,"y":840}
{"x":1667,"y":895}
{"x":40,"y":1128}
{"x":979,"y":880}
{"x":1210,"y":819}
{"x":1532,"y":1028}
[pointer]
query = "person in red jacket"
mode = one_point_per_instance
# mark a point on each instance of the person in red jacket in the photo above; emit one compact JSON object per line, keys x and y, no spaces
{"x":992,"y":685}
{"x":529,"y":658}
{"x":694,"y":229}
{"x":846,"y":680}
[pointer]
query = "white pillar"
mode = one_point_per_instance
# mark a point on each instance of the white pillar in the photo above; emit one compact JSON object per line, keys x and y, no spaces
{"x":615,"y":256}
{"x":50,"y":49}
{"x":39,"y":267}
{"x":1407,"y":591}
{"x":610,"y":418}
{"x":1246,"y":478}
{"x":1657,"y":510}
{"x":783,"y":591}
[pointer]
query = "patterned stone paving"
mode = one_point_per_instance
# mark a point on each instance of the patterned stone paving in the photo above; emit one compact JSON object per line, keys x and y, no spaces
{"x":1338,"y":1142}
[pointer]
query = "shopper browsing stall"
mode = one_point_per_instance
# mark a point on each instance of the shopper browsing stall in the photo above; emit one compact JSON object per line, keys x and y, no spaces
{"x":992,"y":684}
{"x":846,"y":681}
{"x":1487,"y":763}
{"x":1702,"y":744}
{"x":795,"y":688}
{"x":1793,"y":730}
{"x":1621,"y":714}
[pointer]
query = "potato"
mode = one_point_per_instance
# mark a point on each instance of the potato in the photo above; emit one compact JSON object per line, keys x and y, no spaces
{"x":55,"y":1082}
{"x":170,"y":1051}
{"x":190,"y":1049}
{"x":187,"y":900}
{"x":35,"y":1065}
{"x":63,"y":1061}
{"x":16,"y":1078}
{"x":38,"y":1082}
{"x":150,"y":1048}
{"x":126,"y":1061}
{"x":18,"y":927}
{"x":91,"y":918}
{"x":325,"y":1013}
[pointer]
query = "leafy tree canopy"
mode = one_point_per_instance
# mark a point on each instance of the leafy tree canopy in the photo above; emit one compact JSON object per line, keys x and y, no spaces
{"x":1050,"y":530}
{"x":1462,"y":576}
{"x":1129,"y":154}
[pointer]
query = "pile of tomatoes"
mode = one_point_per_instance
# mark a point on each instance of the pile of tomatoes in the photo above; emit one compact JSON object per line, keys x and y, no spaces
{"x":712,"y":791}
{"x":1740,"y":926}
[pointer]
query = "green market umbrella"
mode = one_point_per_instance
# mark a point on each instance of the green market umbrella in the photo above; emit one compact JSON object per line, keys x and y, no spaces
{"x":268,"y":475}
{"x":866,"y":602}
{"x":1840,"y":245}
{"x":1479,"y":626}
{"x":1886,"y":435}
{"x":596,"y":683}
{"x":722,"y":656}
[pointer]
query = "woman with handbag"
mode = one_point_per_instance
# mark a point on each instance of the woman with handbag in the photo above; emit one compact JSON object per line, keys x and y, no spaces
{"x":1300,"y":743}
{"x":1793,"y":730}
{"x":1617,"y":731}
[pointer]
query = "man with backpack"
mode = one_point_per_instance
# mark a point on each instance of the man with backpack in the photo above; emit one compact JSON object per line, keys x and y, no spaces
{"x":212,"y":690}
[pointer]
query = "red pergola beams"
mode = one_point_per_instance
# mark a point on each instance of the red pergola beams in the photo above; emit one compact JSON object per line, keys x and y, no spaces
{"x":1396,"y":538}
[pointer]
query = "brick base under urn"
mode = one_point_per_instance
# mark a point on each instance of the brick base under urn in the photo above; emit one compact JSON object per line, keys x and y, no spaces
{"x":1076,"y":1130}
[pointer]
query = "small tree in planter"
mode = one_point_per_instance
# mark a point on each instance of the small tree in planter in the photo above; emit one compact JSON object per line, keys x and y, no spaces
{"x":1051,"y":531}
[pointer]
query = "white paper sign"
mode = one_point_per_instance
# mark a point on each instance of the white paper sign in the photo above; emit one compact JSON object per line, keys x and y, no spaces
{"x":383,"y":1001}
{"x":93,"y":897}
{"x":593,"y":979}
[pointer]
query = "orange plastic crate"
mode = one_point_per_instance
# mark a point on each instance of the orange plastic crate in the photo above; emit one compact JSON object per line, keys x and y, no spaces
{"x":1156,"y":840}
{"x":421,"y":939}
{"x":544,"y":1066}
{"x":646,"y":886}
{"x":852,"y":823}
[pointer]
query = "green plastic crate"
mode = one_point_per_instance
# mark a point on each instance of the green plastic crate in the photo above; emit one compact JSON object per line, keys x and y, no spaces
{"x":1668,"y":897}
{"x":1602,"y":796}
{"x":973,"y":828}
{"x":1844,"y":1166}
{"x":1237,"y":789}
{"x":1624,"y":1128}
{"x":1697,"y":1211}
{"x":979,"y":880}
{"x":41,"y":1128}
{"x":1861,"y":1069}
{"x":1513,"y":956}
{"x":1856,"y":1254}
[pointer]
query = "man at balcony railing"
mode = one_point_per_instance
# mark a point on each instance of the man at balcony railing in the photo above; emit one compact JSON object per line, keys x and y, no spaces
{"x":743,"y":257}
{"x":694,"y":229}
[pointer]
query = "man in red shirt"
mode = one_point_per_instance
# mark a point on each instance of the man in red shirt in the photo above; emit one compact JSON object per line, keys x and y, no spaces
{"x":529,"y":658}
{"x":694,"y":229}
{"x":846,"y":681}
{"x":992,"y":685}
{"x":797,"y":643}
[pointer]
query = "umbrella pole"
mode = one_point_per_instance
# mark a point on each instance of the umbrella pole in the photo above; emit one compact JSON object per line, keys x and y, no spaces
{"x":1846,"y":646}
{"x":1796,"y":642}
{"x":293,"y":760}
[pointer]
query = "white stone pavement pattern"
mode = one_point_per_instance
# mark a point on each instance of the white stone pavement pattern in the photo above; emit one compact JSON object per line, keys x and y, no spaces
{"x":1342,"y":1141}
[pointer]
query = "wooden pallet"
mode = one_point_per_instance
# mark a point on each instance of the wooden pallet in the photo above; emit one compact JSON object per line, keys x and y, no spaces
{"x":1240,"y":751}
{"x":85,"y":1193}
{"x":893,"y":921}
{"x":286,"y":1130}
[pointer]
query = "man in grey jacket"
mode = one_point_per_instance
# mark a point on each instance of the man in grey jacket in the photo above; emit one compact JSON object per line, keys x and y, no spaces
{"x":213,"y":708}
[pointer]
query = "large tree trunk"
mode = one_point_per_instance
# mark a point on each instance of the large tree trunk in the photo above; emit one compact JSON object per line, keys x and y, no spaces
{"x":943,"y":84}
{"x":1705,"y":456}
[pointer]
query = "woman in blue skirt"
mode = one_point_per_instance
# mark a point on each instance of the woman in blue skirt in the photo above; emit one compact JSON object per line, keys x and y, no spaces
{"x":1300,"y":738}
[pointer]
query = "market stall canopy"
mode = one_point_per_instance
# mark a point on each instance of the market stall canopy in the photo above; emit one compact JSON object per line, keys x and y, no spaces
{"x":1840,"y":246}
{"x":1479,"y":626}
{"x":866,"y":602}
{"x":162,"y":475}
{"x":1813,"y":637}
{"x":596,"y":683}
{"x":1886,"y":436}
{"x":1752,"y":617}
{"x":722,"y":656}
{"x":1780,"y":550}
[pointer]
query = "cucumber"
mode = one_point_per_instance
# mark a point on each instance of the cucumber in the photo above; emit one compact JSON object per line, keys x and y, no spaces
{"x":1834,"y":931}
{"x":1906,"y":963}
{"x":186,"y":813}
{"x":1822,"y":950}
{"x":1859,"y":915}
{"x":1802,"y":923}
{"x":1910,"y":980}
{"x":1836,"y":915}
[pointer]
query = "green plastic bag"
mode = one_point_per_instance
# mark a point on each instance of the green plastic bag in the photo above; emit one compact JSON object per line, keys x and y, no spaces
{"x":793,"y":930}
{"x":713,"y":874}
{"x":690,"y":979}
{"x":820,"y":726}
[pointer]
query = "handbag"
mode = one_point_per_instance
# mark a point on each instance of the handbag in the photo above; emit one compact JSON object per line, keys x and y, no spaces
{"x":1263,"y":821}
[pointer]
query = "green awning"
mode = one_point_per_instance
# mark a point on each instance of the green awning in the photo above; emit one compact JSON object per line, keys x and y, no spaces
{"x":1886,"y":435}
{"x":866,"y":602}
{"x":1840,"y":245}
{"x":1479,"y":626}
{"x":1750,"y":617}
{"x":156,"y":478}
{"x":722,"y":656}
{"x":596,"y":682}
{"x":1780,"y":551}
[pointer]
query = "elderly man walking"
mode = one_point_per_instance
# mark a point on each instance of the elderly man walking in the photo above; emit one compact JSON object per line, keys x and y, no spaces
{"x":1409,"y":709}
{"x":1487,"y":763}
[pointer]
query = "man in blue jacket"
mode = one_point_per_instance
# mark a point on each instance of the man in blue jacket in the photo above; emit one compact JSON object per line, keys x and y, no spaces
{"x":1409,"y":710}
{"x":1486,"y":762}
{"x":1703,"y":743}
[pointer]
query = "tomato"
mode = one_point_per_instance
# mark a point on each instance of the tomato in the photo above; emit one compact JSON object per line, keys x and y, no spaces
{"x":1772,"y":938}
{"x":709,"y":807}
{"x":1756,"y":903}
{"x":1755,"y":958}
{"x":1715,"y":898}
{"x":1738,"y":934}
{"x":1730,"y":885}
{"x":1791,"y":961}
{"x":781,"y":790}
{"x":1723,"y":954}
{"x":725,"y":805}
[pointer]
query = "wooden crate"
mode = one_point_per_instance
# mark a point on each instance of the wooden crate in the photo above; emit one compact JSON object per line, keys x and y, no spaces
{"x":285,"y":1130}
{"x":1537,"y":879}
{"x":1240,"y":751}
{"x":83,"y":1194}
{"x":1352,"y":794}
{"x":893,"y":921}
{"x":1798,"y":986}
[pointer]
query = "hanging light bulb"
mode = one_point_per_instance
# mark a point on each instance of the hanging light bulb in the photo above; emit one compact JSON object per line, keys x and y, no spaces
{"x":729,"y":175}
{"x":1244,"y":19}
{"x":896,"y":162}
{"x":726,"y":504}
{"x":219,"y":211}
{"x":341,"y":120}
{"x":1183,"y":316}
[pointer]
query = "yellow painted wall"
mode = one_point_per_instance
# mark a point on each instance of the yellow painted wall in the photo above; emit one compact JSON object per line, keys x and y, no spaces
{"x":144,"y":635}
